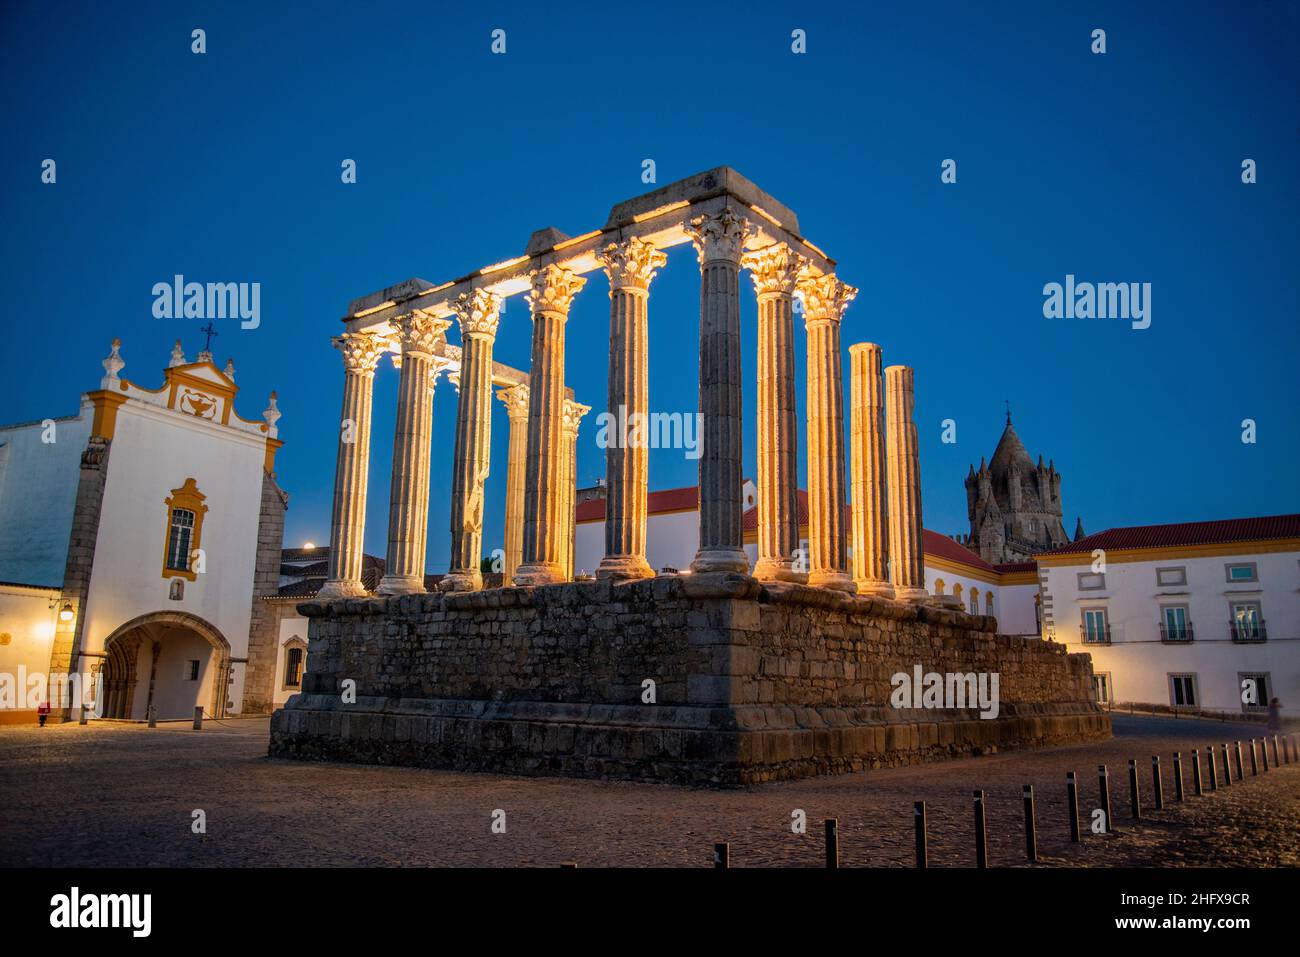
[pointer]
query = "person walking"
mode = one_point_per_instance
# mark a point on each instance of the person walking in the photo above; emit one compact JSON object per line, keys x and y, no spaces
{"x":42,"y":713}
{"x":1275,"y":715}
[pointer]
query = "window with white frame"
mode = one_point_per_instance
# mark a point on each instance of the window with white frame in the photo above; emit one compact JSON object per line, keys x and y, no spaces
{"x":1182,"y":691}
{"x":1096,"y":630}
{"x":1101,"y":688}
{"x":1247,"y":622}
{"x":1174,"y":625}
{"x":1236,"y":572}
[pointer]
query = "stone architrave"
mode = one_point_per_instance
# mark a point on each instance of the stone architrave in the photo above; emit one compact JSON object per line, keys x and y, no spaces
{"x":719,"y":240}
{"x":630,"y":266}
{"x":478,"y":314}
{"x":361,"y":354}
{"x":825,"y":298}
{"x":553,"y":289}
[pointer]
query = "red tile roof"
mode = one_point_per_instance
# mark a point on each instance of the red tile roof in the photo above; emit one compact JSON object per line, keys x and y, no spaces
{"x":1259,"y":529}
{"x":665,"y":500}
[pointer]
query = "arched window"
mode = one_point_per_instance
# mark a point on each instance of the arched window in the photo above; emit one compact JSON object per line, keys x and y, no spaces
{"x":938,"y":586}
{"x":295,"y":660}
{"x":988,"y":603}
{"x":974,"y":601}
{"x":956,"y":590}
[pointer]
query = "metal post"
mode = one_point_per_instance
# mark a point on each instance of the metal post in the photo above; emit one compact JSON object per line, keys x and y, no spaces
{"x":1178,"y":776}
{"x":1103,"y":787}
{"x":1196,"y":772}
{"x":1031,"y":831}
{"x":1135,"y":799}
{"x":1212,"y":765}
{"x":198,"y":717}
{"x":82,"y":718}
{"x":1237,"y":750}
{"x":1254,"y":761}
{"x":153,"y":716}
{"x":1227,"y":769}
{"x":1072,"y":801}
{"x":918,"y":815}
{"x":981,"y":838}
{"x":722,"y":855}
{"x":1263,"y":751}
{"x":1276,"y":762}
{"x":1157,"y":786}
{"x":832,"y":842}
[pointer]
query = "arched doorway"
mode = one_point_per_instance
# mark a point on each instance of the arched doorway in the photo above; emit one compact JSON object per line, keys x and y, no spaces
{"x":171,"y":661}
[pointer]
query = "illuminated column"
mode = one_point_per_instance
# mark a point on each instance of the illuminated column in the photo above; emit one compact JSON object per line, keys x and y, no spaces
{"x":478,"y":314}
{"x":573,"y":413}
{"x":825,"y":298}
{"x":515,"y":399}
{"x":904,"y":476}
{"x":408,"y":501}
{"x":630,"y":266}
{"x":361,"y":352}
{"x":870,"y":568}
{"x":719,"y":240}
{"x":775,"y":271}
{"x":553,"y":290}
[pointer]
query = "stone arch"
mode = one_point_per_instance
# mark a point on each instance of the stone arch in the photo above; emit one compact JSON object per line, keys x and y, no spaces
{"x":122,"y":647}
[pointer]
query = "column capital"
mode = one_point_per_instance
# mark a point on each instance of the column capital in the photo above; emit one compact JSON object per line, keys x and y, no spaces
{"x":631,"y":264}
{"x":478,"y":313}
{"x":775,"y":269}
{"x":437,"y":366}
{"x":361,"y":351}
{"x":720,"y":236}
{"x":515,"y":399}
{"x":573,"y":413}
{"x":825,"y":298}
{"x":553,"y":289}
{"x":420,"y":332}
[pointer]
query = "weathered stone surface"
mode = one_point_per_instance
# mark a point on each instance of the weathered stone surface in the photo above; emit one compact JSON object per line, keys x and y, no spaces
{"x":752,"y":682}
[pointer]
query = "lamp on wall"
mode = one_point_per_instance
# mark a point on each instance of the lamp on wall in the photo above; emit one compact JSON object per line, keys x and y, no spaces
{"x":66,"y":613}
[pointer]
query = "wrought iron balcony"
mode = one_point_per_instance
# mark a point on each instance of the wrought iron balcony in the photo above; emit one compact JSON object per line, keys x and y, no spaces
{"x":1174,"y":634}
{"x":1247,"y":631}
{"x":1094,"y":635}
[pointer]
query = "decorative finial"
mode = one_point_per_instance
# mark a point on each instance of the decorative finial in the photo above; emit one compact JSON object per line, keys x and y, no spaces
{"x":271,"y":415}
{"x":1008,"y":401}
{"x":178,"y":356}
{"x":113,"y":364}
{"x":206,"y":354}
{"x":229,"y":370}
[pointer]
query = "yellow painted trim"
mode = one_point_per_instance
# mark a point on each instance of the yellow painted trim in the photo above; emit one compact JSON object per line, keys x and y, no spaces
{"x":187,"y":497}
{"x":1018,"y":578}
{"x":961,"y":568}
{"x":272,"y":446}
{"x":106,"y":404}
{"x":1121,"y":555}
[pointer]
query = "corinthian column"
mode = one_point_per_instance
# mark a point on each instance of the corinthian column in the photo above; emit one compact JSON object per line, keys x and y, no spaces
{"x":719,"y":240}
{"x":478,"y":314}
{"x":904,"y":475}
{"x":408,"y":501}
{"x":573,"y":413}
{"x":775,"y":271}
{"x":630,"y":266}
{"x":870,"y":569}
{"x":515,"y":399}
{"x":553,"y":290}
{"x":361,"y":353}
{"x":825,"y":298}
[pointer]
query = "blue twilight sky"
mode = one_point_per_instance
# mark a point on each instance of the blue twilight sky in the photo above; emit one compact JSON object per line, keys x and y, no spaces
{"x":1117,"y":167}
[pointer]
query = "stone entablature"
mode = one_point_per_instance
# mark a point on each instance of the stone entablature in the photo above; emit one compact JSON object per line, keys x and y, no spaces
{"x":753,"y":682}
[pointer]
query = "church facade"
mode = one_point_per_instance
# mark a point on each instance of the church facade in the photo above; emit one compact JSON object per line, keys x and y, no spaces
{"x":1014,"y":505}
{"x":135,"y":539}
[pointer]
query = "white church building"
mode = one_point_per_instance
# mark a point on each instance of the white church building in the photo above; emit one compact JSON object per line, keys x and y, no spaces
{"x":135,"y":537}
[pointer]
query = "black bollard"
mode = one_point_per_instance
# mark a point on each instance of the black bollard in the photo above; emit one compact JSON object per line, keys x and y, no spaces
{"x":153,"y":716}
{"x":1212,"y":765}
{"x":82,"y":719}
{"x":981,"y":839}
{"x":1196,"y":772}
{"x":1263,"y":752}
{"x":832,"y":842}
{"x":1072,"y":802}
{"x":1276,"y":762}
{"x":1237,"y":754}
{"x":1134,"y":798}
{"x":198,"y":717}
{"x":1103,"y":788}
{"x":1157,"y":786}
{"x":722,"y":855}
{"x":918,"y":815}
{"x":1254,"y":761}
{"x":1227,"y":770}
{"x":1031,"y":828}
{"x":1178,"y":776}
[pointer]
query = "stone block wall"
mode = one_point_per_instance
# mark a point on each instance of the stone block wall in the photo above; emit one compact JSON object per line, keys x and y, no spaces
{"x":753,"y":682}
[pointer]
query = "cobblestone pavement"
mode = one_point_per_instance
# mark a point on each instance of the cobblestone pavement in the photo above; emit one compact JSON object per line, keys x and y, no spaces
{"x":124,"y":795}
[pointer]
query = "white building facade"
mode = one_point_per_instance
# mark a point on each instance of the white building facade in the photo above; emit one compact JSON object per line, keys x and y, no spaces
{"x":133,"y":539}
{"x":1200,"y":615}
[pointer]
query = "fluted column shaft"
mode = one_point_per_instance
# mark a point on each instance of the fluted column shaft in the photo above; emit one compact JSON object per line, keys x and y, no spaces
{"x":903,"y":465}
{"x":478,"y":314}
{"x":719,"y":240}
{"x":825,"y":299}
{"x":870,"y":532}
{"x":361,"y":353}
{"x":553,"y":289}
{"x":408,"y":501}
{"x":515,"y":399}
{"x":573,"y":413}
{"x":775,"y":270}
{"x":630,"y":266}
